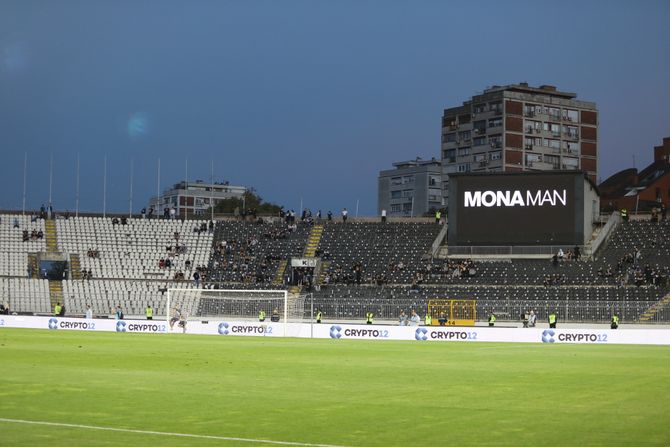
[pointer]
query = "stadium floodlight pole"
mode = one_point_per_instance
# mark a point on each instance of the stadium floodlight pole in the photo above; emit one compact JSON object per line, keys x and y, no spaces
{"x":76,"y":197}
{"x":158,"y":188}
{"x":104,"y":187}
{"x":357,"y":200}
{"x":25,"y":170}
{"x":130,"y":211}
{"x":186,"y":192}
{"x":211,"y":190}
{"x":51,"y":177}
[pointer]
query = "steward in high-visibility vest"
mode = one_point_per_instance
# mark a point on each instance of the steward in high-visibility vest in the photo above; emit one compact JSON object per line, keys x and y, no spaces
{"x":368,"y":317}
{"x":552,"y":320}
{"x":261,"y":315}
{"x":438,"y":216}
{"x":615,"y":322}
{"x":57,"y":309}
{"x":149,"y":313}
{"x":319,"y":314}
{"x":428,"y":320}
{"x":492,"y":319}
{"x":624,"y":214}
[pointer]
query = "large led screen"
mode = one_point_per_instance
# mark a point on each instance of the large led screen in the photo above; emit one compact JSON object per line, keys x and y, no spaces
{"x":513,"y":209}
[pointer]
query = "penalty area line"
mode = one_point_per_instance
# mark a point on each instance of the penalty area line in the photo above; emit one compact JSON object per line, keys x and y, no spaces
{"x":164,"y":433}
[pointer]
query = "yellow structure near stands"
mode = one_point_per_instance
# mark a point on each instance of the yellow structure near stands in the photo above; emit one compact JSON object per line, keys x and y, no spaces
{"x":453,"y":312}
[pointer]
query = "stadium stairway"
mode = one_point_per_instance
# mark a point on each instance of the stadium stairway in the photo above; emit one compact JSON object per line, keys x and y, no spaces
{"x":75,"y":266}
{"x":279,"y":276}
{"x":33,"y":266}
{"x":647,"y":316}
{"x":51,"y":236}
{"x":55,"y":292}
{"x":313,"y":241}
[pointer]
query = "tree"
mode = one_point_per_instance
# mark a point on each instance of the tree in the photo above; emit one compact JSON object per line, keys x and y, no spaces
{"x":249,"y":201}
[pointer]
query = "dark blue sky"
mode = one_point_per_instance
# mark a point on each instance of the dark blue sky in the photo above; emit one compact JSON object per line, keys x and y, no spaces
{"x":300,"y":99}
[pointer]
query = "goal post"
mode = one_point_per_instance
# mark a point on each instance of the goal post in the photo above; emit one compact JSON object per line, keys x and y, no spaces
{"x":234,"y":304}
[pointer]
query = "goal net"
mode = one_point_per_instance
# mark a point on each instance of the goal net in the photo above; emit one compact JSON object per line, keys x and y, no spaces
{"x":235,"y":305}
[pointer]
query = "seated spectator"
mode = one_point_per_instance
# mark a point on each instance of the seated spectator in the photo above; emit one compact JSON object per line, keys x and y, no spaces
{"x":26,"y":237}
{"x":40,"y":234}
{"x":115,"y":221}
{"x":124,"y":220}
{"x":16,"y":222}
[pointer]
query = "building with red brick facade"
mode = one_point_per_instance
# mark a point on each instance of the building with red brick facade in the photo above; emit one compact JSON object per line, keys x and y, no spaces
{"x":642,"y":190}
{"x":518,"y":128}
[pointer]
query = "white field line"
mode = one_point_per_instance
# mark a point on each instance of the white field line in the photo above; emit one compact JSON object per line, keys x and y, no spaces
{"x":162,"y":433}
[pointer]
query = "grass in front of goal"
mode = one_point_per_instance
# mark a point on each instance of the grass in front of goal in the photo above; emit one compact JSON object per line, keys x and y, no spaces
{"x":335,"y":392}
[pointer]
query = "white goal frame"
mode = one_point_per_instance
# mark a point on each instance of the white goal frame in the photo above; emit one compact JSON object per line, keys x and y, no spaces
{"x":197,"y":293}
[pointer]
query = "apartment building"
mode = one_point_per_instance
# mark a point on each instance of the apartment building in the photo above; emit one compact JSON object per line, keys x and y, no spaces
{"x":518,"y":128}
{"x":411,"y":189}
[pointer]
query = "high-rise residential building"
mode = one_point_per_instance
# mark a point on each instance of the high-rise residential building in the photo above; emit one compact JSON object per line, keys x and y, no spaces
{"x":520,"y":128}
{"x":412,"y":188}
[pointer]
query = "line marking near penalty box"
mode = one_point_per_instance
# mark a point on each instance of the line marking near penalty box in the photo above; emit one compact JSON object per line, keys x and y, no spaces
{"x":162,"y":433}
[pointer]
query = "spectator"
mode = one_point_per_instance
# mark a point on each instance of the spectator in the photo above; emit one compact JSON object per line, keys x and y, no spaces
{"x":402,"y":319}
{"x":414,"y":319}
{"x":383,"y":216}
{"x":345,"y":214}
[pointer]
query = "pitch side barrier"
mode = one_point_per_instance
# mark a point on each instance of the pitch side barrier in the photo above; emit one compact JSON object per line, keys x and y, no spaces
{"x":350,"y":331}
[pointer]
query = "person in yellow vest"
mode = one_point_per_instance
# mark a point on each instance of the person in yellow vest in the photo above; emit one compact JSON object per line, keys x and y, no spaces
{"x":149,"y":313}
{"x":553,"y":319}
{"x":615,"y":322}
{"x":261,"y":316}
{"x":428,"y":320}
{"x":369,"y":316}
{"x":319,"y":315}
{"x":492,"y":319}
{"x":624,"y":214}
{"x":438,"y":216}
{"x":57,"y":309}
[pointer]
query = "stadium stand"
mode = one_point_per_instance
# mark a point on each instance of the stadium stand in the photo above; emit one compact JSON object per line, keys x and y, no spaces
{"x":366,"y":266}
{"x":19,"y":236}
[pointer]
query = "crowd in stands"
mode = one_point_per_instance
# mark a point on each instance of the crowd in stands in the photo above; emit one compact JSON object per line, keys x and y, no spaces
{"x":33,"y":235}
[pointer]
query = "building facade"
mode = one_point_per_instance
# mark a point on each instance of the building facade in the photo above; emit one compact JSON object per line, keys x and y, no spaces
{"x":411,"y":189}
{"x":194,"y":198}
{"x":518,"y":128}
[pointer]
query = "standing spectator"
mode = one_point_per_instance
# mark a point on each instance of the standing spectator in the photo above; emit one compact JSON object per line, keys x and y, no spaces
{"x":345,"y":214}
{"x":144,"y":213}
{"x":196,"y":278}
{"x":414,"y":319}
{"x":89,"y":312}
{"x":173,"y":213}
{"x":532,"y":319}
{"x":553,"y":319}
{"x":402,"y":319}
{"x":330,"y":216}
{"x":119,"y":313}
{"x":383,"y":216}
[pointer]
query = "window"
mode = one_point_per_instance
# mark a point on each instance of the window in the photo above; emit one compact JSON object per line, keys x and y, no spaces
{"x":555,"y":129}
{"x":554,"y":144}
{"x":495,"y":122}
{"x":465,"y":135}
{"x":570,"y":163}
{"x":449,"y":155}
{"x":479,"y":108}
{"x":480,"y":141}
{"x":496,"y":107}
{"x":533,"y":158}
{"x":407,"y":207}
{"x":570,"y":115}
{"x":395,"y":208}
{"x":464,"y":167}
{"x":396,"y":181}
{"x":554,"y":160}
{"x":463,"y":151}
{"x":395,"y":194}
{"x":450,"y":137}
{"x":529,"y":142}
{"x":570,"y":147}
{"x":408,"y":193}
{"x":497,"y":155}
{"x":433,"y":180}
{"x":480,"y":157}
{"x":479,"y":127}
{"x":495,"y":141}
{"x":408,"y":179}
{"x":533,"y":126}
{"x":529,"y":110}
{"x":571,"y":132}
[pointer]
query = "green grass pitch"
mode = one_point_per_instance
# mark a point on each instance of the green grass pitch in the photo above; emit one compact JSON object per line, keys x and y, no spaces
{"x":334,"y":392}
